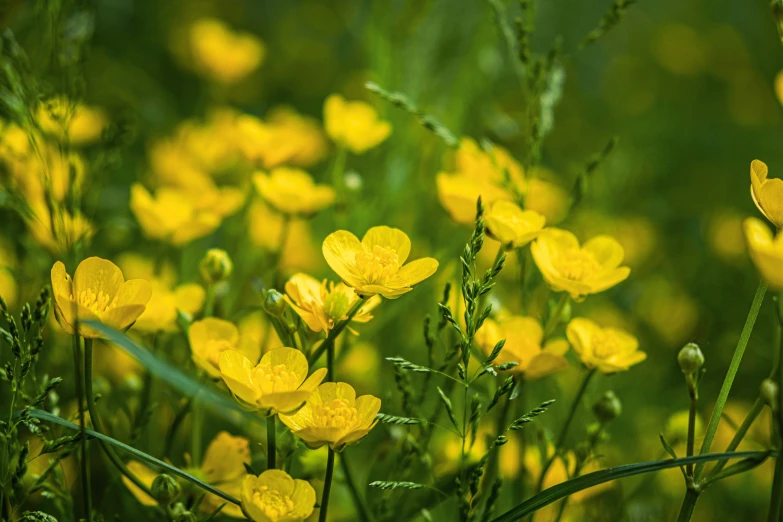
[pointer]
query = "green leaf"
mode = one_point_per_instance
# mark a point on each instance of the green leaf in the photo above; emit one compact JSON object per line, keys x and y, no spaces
{"x":449,"y":407}
{"x":569,"y":487}
{"x":149,"y":459}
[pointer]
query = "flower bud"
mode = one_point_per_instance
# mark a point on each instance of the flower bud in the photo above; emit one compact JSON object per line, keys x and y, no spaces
{"x":769,"y":393}
{"x":690,"y":358}
{"x":274,"y":303}
{"x":607,"y":407}
{"x":216,"y":266}
{"x":165,"y":489}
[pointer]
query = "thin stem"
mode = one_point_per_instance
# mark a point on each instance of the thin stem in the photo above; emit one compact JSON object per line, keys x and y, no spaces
{"x":731,"y":373}
{"x":691,"y":428}
{"x":688,"y":505}
{"x":97,"y":424}
{"x":751,"y":416}
{"x":361,"y":506}
{"x":339,"y":327}
{"x":83,"y":461}
{"x":271,"y":442}
{"x":196,"y":420}
{"x":338,"y":169}
{"x":209,"y":301}
{"x":554,"y":318}
{"x":175,"y":424}
{"x":522,"y":259}
{"x":776,"y":500}
{"x":327,"y":485}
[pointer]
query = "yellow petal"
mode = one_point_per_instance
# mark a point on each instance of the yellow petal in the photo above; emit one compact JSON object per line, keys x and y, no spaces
{"x":304,"y":500}
{"x":580,"y":332}
{"x":189,"y":298}
{"x":224,"y":458}
{"x":339,"y":249}
{"x":236,"y":370}
{"x":388,"y":237}
{"x":122,"y":317}
{"x":543,"y":364}
{"x":414,"y":272}
{"x":557,"y":346}
{"x":758,"y":173}
{"x":133,"y":292}
{"x":97,"y":276}
{"x":146,"y":476}
{"x":367,"y":407}
{"x":293,"y":360}
{"x":771,"y":198}
{"x":330,"y":391}
{"x":606,"y":250}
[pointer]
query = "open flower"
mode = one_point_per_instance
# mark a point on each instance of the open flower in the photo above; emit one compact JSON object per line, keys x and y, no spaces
{"x":274,"y":496}
{"x":333,"y":415}
{"x":580,"y":271}
{"x":511,"y":225}
{"x":222,"y":54}
{"x":766,"y":193}
{"x":523,"y":337}
{"x":292,"y":191}
{"x":171,"y":215}
{"x":277,"y":384}
{"x":223,"y":467}
{"x":162,"y":308}
{"x":284,"y":137}
{"x":97,"y":292}
{"x":354,"y":125}
{"x":209,"y":338}
{"x":375,"y":265}
{"x":458,"y":193}
{"x":765,"y":251}
{"x":609,"y":350}
{"x":321,"y":305}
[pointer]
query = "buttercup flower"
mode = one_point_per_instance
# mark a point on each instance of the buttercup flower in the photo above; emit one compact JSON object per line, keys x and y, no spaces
{"x":274,"y":496}
{"x":97,"y":292}
{"x":285,"y":137}
{"x":580,"y":271}
{"x":766,"y":193}
{"x":222,"y":54}
{"x":64,"y":118}
{"x":609,"y":350}
{"x":354,"y":125}
{"x":209,"y":338}
{"x":161,"y":311}
{"x":458,"y":193}
{"x":765,"y":251}
{"x":223,"y":467}
{"x":376,"y":264}
{"x":292,"y":191}
{"x":511,"y":225}
{"x":523,"y":337}
{"x":333,"y":415}
{"x":277,"y":384}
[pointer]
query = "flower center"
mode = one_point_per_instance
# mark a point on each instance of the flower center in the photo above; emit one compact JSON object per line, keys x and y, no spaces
{"x":577,"y":265}
{"x":378,"y":265}
{"x":604,"y":345}
{"x":338,"y":413}
{"x":274,"y":504}
{"x":98,"y":303}
{"x":337,"y":302}
{"x":275,"y":378}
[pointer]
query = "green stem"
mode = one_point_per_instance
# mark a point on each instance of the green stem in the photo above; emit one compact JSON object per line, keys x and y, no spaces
{"x":97,"y":424}
{"x":554,"y":318}
{"x":339,"y":327}
{"x":751,"y":416}
{"x":522,"y":259}
{"x":271,"y":442}
{"x":361,"y":506}
{"x":731,"y":373}
{"x":209,"y":301}
{"x":691,"y":445}
{"x":327,"y":485}
{"x":776,"y":500}
{"x":84,"y":456}
{"x":196,"y":419}
{"x":175,"y":424}
{"x":688,"y":505}
{"x":337,"y":171}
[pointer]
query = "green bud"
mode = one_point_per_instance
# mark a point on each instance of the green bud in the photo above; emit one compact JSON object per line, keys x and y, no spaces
{"x":216,"y":266}
{"x":186,"y":516}
{"x":607,"y":407}
{"x":165,"y":489}
{"x":274,"y":303}
{"x":769,"y":393}
{"x":690,"y":358}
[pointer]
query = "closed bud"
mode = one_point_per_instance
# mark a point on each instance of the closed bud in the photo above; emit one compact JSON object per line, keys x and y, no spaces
{"x":165,"y":489}
{"x":769,"y":393}
{"x":274,"y":303}
{"x":607,"y":407}
{"x":690,"y":358}
{"x":216,"y":266}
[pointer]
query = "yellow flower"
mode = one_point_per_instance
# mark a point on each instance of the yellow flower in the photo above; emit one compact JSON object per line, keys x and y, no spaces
{"x":523,"y":337}
{"x":765,"y":251}
{"x":222,"y":54}
{"x":296,"y":247}
{"x":334,"y":415}
{"x":577,"y":270}
{"x":274,"y":496}
{"x":277,"y":384}
{"x":376,"y":264}
{"x":767,"y":193}
{"x":8,"y":287}
{"x":354,"y":125}
{"x":511,"y":225}
{"x":69,"y":229}
{"x":161,"y":311}
{"x":292,"y":191}
{"x":223,"y":467}
{"x":609,"y":350}
{"x":64,"y":118}
{"x":97,"y":292}
{"x":545,"y":197}
{"x":285,"y":137}
{"x":210,"y":337}
{"x":458,"y":193}
{"x":495,"y":165}
{"x":321,"y":305}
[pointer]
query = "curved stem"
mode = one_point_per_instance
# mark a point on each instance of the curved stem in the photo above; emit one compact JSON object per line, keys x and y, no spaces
{"x":361,"y":506}
{"x":327,"y":486}
{"x":83,"y":461}
{"x":271,"y":442}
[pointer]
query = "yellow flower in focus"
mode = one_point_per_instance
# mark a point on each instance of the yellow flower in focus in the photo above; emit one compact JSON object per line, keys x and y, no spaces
{"x":293,"y":192}
{"x":209,"y":338}
{"x":97,"y":292}
{"x":279,"y":383}
{"x":511,"y":225}
{"x":459,"y":193}
{"x":767,"y":193}
{"x":523,"y":337}
{"x":765,"y":251}
{"x":376,"y":264}
{"x":354,"y":125}
{"x":321,"y":305}
{"x":171,"y":215}
{"x":274,"y":496}
{"x":222,"y":54}
{"x":610,"y":350}
{"x":580,"y":271}
{"x":333,"y":415}
{"x":80,"y":124}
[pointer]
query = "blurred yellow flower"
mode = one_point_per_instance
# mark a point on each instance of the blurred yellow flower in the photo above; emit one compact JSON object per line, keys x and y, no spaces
{"x":523,"y":337}
{"x":161,"y":311}
{"x":321,"y":305}
{"x":765,"y":251}
{"x":767,"y":193}
{"x":354,"y":125}
{"x":209,"y":338}
{"x":286,"y":137}
{"x":69,"y":229}
{"x":222,"y":54}
{"x":274,"y":496}
{"x":580,"y":271}
{"x":779,"y":86}
{"x":334,"y":415}
{"x":376,"y":264}
{"x":360,"y":363}
{"x":279,"y":383}
{"x":494,"y":165}
{"x":64,"y":118}
{"x":726,"y":236}
{"x":97,"y":292}
{"x":268,"y":230}
{"x":292,"y":191}
{"x":545,"y":197}
{"x":53,"y":173}
{"x":223,"y":467}
{"x":610,"y":350}
{"x":8,"y":287}
{"x":459,"y":193}
{"x":511,"y":225}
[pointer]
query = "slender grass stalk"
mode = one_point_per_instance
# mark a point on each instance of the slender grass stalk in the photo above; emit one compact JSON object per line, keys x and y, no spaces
{"x":691,"y":444}
{"x":327,"y":486}
{"x":554,"y":318}
{"x":271,"y":442}
{"x":776,"y":500}
{"x":361,"y":506}
{"x":84,"y":456}
{"x":196,"y":419}
{"x":338,"y":169}
{"x":688,"y":505}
